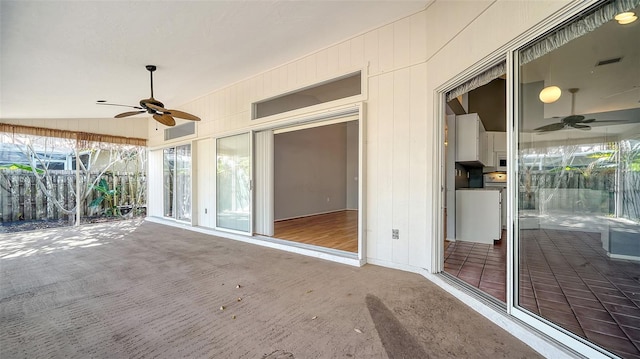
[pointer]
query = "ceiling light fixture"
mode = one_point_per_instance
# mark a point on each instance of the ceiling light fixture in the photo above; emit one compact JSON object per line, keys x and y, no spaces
{"x":626,"y":18}
{"x":550,"y":94}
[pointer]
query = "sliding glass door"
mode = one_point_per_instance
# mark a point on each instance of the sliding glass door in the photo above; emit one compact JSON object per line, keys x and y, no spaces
{"x":177,"y":182}
{"x":183,"y":183}
{"x":233,"y":183}
{"x":577,"y":181}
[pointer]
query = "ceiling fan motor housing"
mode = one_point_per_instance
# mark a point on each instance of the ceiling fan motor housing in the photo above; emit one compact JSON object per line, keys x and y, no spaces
{"x":153,"y":101}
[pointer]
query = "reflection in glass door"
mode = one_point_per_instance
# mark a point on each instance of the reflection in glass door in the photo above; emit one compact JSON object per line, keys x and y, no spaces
{"x":233,"y":183}
{"x":578,"y":181}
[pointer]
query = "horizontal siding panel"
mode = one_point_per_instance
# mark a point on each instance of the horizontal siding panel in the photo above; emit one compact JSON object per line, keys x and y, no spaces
{"x":357,"y":52}
{"x":401,"y":43}
{"x":385,"y":48}
{"x":418,"y":38}
{"x":371,"y":52}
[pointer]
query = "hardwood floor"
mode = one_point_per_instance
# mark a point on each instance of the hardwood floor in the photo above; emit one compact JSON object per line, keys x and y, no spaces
{"x":337,"y":230}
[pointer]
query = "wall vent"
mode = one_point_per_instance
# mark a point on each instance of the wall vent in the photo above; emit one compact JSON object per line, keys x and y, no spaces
{"x":608,"y":61}
{"x":186,"y":129}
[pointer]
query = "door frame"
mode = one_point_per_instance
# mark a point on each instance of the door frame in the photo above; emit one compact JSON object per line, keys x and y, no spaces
{"x":510,"y":52}
{"x":251,"y":179}
{"x":327,"y":116}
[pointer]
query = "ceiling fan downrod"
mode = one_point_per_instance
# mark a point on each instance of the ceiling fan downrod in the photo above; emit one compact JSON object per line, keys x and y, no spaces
{"x":151,"y":69}
{"x":573,"y":99}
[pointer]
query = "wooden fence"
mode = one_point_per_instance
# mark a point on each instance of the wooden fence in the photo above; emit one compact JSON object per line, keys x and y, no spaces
{"x":574,"y":191}
{"x":22,"y":199}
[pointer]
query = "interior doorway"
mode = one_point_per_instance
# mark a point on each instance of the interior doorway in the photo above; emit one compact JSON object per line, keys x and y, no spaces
{"x":474,"y":249}
{"x":315,"y":189}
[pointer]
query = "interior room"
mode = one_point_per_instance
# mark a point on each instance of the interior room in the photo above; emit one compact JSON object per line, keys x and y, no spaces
{"x":316,"y":185}
{"x":476,"y":142}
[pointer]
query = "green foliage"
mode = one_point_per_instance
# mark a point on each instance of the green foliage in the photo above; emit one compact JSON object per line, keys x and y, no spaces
{"x":107,"y":196}
{"x":17,"y":166}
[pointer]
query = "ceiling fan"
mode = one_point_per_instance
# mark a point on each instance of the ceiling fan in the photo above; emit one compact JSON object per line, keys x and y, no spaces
{"x":571,"y":121}
{"x":154,"y":107}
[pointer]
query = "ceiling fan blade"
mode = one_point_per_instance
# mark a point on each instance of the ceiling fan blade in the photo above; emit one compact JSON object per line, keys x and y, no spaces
{"x":551,"y":127}
{"x":186,"y":116}
{"x":117,"y":104}
{"x":165,"y":120}
{"x":157,"y":108}
{"x":612,"y":121}
{"x":588,"y":120}
{"x":573,"y":119}
{"x":127,"y":114}
{"x":581,"y":127}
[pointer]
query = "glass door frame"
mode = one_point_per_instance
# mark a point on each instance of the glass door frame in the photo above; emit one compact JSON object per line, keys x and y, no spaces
{"x":325,"y":116}
{"x":174,"y":199}
{"x":250,"y":135}
{"x":552,"y":332}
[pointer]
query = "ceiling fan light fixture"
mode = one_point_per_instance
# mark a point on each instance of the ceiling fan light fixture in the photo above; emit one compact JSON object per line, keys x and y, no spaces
{"x":550,"y":94}
{"x":626,"y":18}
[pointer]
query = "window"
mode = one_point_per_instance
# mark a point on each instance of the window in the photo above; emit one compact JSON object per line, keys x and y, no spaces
{"x":335,"y":89}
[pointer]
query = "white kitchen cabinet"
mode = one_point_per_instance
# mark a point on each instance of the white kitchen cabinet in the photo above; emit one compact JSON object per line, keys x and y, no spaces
{"x":478,"y":215}
{"x":496,"y":143}
{"x":491,"y":156}
{"x":499,"y":141}
{"x":471,"y":140}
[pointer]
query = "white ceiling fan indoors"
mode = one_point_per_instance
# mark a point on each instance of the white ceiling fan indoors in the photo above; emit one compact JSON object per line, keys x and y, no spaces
{"x":154,"y":107}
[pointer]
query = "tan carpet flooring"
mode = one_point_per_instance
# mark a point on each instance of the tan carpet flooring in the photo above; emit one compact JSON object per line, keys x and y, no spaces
{"x":143,"y":290}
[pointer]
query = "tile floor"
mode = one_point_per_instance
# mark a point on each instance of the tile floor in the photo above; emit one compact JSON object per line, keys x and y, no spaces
{"x":480,"y":265}
{"x":565,"y":277}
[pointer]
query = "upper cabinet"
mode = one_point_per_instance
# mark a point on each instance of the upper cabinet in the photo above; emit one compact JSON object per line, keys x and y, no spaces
{"x":496,"y":143}
{"x":471,"y":140}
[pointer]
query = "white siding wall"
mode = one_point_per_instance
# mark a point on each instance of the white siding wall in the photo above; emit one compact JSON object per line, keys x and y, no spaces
{"x":204,"y":172}
{"x":406,"y":61}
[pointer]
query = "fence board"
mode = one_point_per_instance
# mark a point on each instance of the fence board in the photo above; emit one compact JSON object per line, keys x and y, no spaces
{"x":22,"y":198}
{"x":15,"y":198}
{"x":52,"y":212}
{"x":27,"y":199}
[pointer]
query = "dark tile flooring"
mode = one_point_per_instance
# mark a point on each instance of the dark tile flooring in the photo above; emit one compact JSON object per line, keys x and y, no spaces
{"x":567,"y":278}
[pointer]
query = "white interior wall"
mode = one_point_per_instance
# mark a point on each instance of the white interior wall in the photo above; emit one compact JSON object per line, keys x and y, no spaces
{"x":310,"y":168}
{"x":405,"y":61}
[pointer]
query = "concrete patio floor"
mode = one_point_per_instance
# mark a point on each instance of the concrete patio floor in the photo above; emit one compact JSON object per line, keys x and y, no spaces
{"x":136,"y":289}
